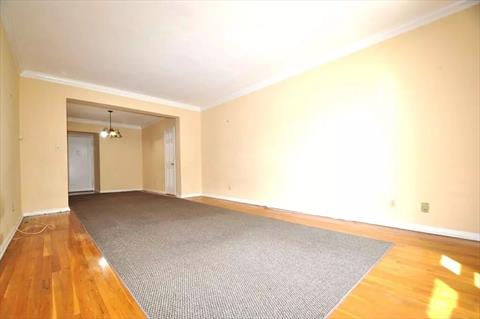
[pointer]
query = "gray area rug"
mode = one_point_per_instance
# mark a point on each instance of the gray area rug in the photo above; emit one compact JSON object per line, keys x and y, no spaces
{"x":182,"y":259}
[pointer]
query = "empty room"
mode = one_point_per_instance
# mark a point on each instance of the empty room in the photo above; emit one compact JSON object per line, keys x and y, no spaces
{"x":240,"y":159}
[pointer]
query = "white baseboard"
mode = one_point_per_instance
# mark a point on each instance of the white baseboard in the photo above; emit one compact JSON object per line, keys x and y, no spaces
{"x":81,"y":193}
{"x":191,"y":195}
{"x":426,"y":229}
{"x":46,"y":211}
{"x":8,"y":239}
{"x":406,"y":226}
{"x":120,"y":190}
{"x":241,"y":200}
{"x":153,"y":191}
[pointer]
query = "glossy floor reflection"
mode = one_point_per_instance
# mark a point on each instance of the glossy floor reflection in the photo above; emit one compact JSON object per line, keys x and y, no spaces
{"x":411,"y":281}
{"x":61,"y":273}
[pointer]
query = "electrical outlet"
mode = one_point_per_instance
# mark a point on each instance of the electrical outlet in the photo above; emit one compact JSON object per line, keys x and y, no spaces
{"x":229,"y":187}
{"x":425,"y":207}
{"x":392,"y":203}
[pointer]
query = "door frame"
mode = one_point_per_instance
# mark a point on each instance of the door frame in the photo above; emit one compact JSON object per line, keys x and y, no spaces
{"x":95,"y":181}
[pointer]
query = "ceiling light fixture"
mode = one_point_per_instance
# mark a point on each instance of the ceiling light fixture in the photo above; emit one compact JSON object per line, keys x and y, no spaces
{"x":110,"y":132}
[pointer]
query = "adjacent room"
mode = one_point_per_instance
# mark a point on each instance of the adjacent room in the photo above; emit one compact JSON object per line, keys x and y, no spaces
{"x":110,"y":150}
{"x":240,"y":159}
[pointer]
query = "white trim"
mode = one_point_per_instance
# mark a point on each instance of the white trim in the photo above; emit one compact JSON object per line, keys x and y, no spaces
{"x":406,"y":226}
{"x":430,"y":230}
{"x":349,"y":49}
{"x":78,"y":193}
{"x":236,"y":199}
{"x":103,"y":123}
{"x":153,"y":191}
{"x":103,"y":191}
{"x":106,"y":89}
{"x":191,"y":195}
{"x":8,"y":239}
{"x":46,"y":211}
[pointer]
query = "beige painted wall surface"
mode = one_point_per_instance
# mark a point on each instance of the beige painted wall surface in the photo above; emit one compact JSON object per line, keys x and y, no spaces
{"x":43,"y":151}
{"x":10,"y":211}
{"x":154,"y":155}
{"x":120,"y":159}
{"x":398,"y":121}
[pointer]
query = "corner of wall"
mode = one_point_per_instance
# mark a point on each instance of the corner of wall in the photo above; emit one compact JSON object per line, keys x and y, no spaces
{"x":10,"y":209}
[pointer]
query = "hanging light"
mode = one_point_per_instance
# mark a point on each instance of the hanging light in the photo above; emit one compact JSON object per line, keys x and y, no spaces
{"x":110,"y":132}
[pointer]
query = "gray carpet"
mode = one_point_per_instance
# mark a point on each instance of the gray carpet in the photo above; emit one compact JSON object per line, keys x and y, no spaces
{"x":182,"y":259}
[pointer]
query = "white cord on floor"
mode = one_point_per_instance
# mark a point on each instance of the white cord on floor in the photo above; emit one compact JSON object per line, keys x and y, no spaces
{"x":49,"y":226}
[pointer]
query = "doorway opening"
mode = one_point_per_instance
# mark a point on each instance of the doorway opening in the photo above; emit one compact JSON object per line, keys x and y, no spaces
{"x":144,"y":158}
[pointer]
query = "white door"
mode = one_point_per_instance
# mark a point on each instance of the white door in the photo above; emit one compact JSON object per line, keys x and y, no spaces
{"x":170,"y":171}
{"x":81,"y":176}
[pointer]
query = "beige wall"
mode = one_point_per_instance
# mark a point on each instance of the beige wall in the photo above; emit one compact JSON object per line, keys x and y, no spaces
{"x":154,"y":156}
{"x":43,"y":150}
{"x":10,"y":211}
{"x":398,"y":121}
{"x":120,"y":160}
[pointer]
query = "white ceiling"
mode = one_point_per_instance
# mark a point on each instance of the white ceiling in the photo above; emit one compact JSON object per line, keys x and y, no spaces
{"x":99,"y":115}
{"x":199,"y":53}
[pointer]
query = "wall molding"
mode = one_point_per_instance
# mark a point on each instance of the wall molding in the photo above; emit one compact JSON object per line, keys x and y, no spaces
{"x":46,"y":211}
{"x":102,"y":123}
{"x":349,"y":49}
{"x":104,"y":191}
{"x":188,"y":195}
{"x":106,"y":89}
{"x":405,"y":226}
{"x":8,"y":239}
{"x":328,"y":57}
{"x":153,"y":191}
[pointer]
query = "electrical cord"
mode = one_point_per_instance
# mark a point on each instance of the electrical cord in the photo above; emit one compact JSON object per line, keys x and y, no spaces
{"x":49,"y":226}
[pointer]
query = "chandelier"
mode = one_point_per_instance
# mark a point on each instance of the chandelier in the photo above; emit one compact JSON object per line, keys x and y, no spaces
{"x":110,"y":132}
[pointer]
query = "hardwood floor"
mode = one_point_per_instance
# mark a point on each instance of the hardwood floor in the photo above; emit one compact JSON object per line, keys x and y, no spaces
{"x":61,"y":273}
{"x":409,"y":282}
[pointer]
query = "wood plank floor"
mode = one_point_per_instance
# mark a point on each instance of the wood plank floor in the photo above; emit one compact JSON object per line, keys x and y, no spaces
{"x":62,"y":274}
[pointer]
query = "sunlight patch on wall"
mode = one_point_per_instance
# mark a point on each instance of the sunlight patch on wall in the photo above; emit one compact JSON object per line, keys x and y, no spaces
{"x":476,"y":279}
{"x":343,"y":160}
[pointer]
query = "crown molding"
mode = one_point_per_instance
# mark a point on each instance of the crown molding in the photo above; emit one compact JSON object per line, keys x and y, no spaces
{"x":331,"y":56}
{"x":105,"y":89}
{"x":103,"y":123}
{"x":349,"y":49}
